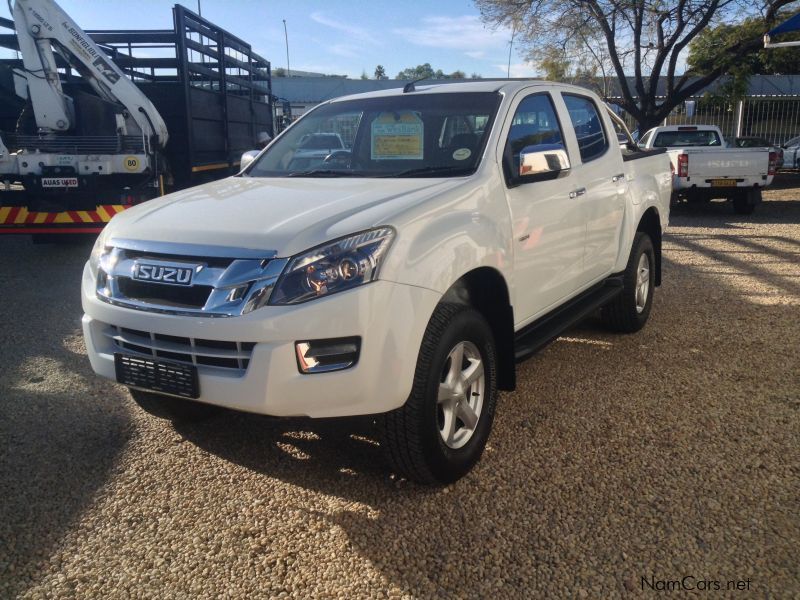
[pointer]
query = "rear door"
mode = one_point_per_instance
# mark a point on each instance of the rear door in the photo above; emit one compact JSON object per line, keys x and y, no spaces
{"x":603,"y":185}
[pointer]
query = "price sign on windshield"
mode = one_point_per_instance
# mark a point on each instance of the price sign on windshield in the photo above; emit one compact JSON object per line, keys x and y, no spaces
{"x":397,"y":136}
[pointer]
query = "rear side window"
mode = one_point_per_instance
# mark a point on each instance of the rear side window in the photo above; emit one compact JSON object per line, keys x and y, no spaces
{"x":592,"y":140}
{"x":534,"y":124}
{"x":682,"y":138}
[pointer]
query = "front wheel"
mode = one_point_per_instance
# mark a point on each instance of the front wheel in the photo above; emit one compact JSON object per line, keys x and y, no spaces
{"x":439,"y":434}
{"x":629,"y":311}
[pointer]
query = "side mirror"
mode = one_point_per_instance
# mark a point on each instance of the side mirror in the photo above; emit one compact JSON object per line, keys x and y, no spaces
{"x":543,"y":160}
{"x":247,"y":158}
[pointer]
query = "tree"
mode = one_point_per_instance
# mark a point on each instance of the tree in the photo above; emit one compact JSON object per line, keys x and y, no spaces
{"x":418,"y":72}
{"x":279,"y":72}
{"x":425,"y":71}
{"x":704,"y":56}
{"x":380,"y":72}
{"x":638,"y":43}
{"x":555,"y":64}
{"x":476,"y":76}
{"x":364,"y":75}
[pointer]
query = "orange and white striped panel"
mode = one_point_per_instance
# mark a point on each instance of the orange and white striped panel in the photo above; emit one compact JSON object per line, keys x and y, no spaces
{"x":19,"y":215}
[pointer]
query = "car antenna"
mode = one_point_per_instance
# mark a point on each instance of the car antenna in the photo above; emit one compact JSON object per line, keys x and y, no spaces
{"x":409,"y":87}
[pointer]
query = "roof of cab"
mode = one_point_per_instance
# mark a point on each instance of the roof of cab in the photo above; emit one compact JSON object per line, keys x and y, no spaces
{"x":461,"y":88}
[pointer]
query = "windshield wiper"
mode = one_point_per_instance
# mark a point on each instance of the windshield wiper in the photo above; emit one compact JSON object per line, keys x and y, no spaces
{"x":431,"y":171}
{"x":325,"y":173}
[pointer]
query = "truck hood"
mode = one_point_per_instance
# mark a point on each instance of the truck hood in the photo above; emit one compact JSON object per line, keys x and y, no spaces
{"x":285,"y":215}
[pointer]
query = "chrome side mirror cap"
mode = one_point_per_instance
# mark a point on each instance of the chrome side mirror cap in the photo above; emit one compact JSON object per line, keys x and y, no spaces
{"x":247,"y":158}
{"x":543,"y":159}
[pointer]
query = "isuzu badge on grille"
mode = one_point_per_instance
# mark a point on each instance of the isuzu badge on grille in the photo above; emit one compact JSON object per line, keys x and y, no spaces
{"x":163,"y":274}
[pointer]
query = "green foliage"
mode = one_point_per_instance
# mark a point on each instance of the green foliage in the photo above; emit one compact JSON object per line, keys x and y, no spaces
{"x":554,"y":64}
{"x":279,"y":72}
{"x":705,"y":56}
{"x":426,"y":71}
{"x":380,"y":72}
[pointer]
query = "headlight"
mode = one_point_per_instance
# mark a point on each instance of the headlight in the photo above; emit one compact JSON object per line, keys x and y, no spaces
{"x":97,"y":251}
{"x":334,"y":267}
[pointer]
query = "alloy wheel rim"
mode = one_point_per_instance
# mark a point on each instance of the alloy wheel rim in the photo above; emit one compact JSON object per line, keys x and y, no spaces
{"x":642,"y":283}
{"x":461,"y":394}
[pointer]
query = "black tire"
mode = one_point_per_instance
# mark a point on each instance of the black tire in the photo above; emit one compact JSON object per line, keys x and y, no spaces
{"x":176,"y":410}
{"x":746,"y":203}
{"x":410,"y":434}
{"x":621,"y":314}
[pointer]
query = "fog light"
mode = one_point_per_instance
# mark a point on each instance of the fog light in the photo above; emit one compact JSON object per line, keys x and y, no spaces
{"x":323,"y":356}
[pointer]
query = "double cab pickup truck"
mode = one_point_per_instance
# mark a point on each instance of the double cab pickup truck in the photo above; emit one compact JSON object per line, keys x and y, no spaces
{"x":460,"y":228}
{"x":705,"y":167}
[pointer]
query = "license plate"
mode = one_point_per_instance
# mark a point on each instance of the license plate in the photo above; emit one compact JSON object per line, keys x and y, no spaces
{"x":162,"y":376}
{"x":723,"y":182}
{"x":59,"y":182}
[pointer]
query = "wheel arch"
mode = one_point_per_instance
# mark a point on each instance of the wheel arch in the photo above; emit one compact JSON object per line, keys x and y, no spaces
{"x":486,"y":290}
{"x":650,"y":223}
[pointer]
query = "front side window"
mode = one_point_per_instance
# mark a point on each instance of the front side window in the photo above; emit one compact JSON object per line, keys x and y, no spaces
{"x":409,"y":135}
{"x":534,"y":125}
{"x":592,"y":140}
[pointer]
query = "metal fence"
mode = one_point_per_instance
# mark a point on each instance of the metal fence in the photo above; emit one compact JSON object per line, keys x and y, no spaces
{"x":776,"y":118}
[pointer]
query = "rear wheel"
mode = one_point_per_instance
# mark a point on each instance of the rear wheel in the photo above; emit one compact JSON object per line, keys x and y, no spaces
{"x":746,"y":203}
{"x":441,"y":431}
{"x":629,"y":311}
{"x":177,"y":410}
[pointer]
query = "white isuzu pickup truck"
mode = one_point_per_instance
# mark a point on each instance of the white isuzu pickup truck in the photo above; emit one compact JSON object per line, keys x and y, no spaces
{"x":461,"y":228}
{"x":705,"y":167}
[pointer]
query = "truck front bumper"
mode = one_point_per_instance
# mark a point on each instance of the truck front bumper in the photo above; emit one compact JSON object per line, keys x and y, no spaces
{"x":389,"y":318}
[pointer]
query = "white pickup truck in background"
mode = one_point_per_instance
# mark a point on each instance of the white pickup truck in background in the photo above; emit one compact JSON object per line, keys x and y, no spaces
{"x":705,"y":168}
{"x":459,"y":229}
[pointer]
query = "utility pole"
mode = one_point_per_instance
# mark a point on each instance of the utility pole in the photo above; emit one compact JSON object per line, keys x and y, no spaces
{"x":286,"y":36}
{"x":510,"y":46}
{"x":199,"y":9}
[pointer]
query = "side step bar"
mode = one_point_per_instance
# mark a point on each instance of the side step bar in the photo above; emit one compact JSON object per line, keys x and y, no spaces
{"x":532,"y":338}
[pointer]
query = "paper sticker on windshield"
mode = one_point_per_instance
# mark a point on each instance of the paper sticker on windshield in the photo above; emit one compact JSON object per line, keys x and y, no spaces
{"x":397,"y":136}
{"x":462,"y":154}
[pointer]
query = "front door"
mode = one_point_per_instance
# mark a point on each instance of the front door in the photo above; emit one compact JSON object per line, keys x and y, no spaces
{"x":547,"y":223}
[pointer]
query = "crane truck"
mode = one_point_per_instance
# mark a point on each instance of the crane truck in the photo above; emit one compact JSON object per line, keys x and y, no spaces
{"x":88,"y":128}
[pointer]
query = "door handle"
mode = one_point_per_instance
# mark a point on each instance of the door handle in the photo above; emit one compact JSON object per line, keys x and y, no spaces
{"x":578,"y":192}
{"x":617,"y":178}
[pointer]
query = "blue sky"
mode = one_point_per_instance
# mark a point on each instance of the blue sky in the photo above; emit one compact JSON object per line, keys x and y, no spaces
{"x":336,"y":36}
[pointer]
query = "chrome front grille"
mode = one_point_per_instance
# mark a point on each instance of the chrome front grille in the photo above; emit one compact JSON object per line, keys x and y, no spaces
{"x":225,"y":282}
{"x":190,"y":351}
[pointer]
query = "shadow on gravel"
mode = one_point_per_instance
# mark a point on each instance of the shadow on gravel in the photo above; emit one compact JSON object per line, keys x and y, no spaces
{"x":59,"y":439}
{"x":719,"y":214}
{"x":664,"y":453}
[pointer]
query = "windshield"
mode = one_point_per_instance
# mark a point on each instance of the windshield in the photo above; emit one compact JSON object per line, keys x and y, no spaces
{"x":666,"y":139}
{"x":413,"y":135}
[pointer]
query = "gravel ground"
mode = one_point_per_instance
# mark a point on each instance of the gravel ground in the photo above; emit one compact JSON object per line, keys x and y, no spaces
{"x":669,"y":453}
